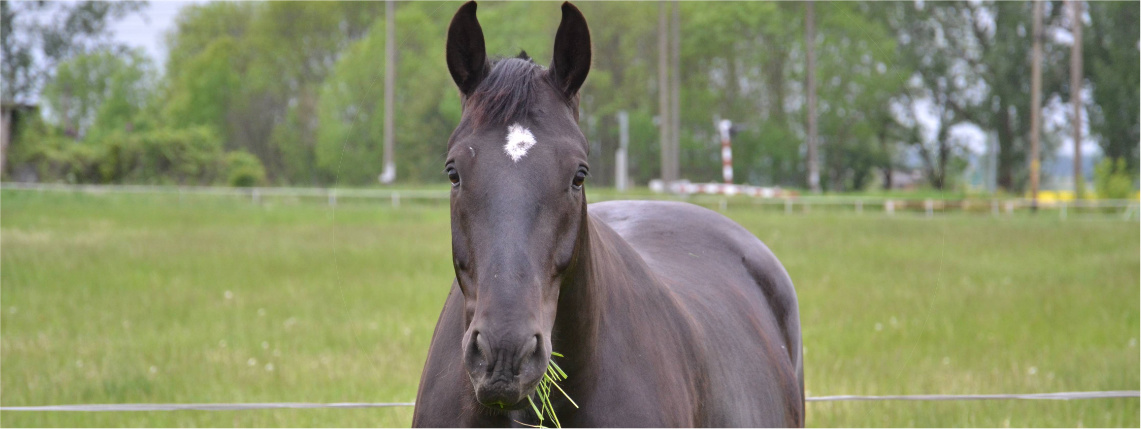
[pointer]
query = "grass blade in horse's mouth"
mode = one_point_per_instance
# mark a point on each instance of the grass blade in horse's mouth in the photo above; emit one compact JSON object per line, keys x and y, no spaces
{"x":552,"y":377}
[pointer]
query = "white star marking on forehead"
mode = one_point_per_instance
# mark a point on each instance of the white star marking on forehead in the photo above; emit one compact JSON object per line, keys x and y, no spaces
{"x":519,"y":141}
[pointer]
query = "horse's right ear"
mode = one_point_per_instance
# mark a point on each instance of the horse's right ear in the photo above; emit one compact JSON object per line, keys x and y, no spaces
{"x":467,"y":56}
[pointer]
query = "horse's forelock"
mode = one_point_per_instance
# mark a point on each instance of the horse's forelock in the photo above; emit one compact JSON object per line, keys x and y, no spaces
{"x":507,"y":93}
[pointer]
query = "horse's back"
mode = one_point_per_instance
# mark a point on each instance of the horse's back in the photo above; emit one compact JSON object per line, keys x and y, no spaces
{"x":738,"y":297}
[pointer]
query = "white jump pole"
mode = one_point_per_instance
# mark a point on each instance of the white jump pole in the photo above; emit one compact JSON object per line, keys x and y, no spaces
{"x":726,"y":151}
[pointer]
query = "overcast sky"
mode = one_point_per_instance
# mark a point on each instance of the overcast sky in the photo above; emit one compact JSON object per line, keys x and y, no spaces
{"x":147,"y":29}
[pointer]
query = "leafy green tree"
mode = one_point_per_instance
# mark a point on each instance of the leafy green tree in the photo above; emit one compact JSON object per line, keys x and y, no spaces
{"x":856,"y":88}
{"x":738,"y":64}
{"x":32,"y":48}
{"x":245,"y":170}
{"x":296,"y":45}
{"x":203,"y":92}
{"x":1112,"y":178}
{"x":1111,"y":61}
{"x":99,"y":92}
{"x":199,"y":26}
{"x":972,"y":62}
{"x":207,"y":61}
{"x":350,"y":130}
{"x":298,"y":85}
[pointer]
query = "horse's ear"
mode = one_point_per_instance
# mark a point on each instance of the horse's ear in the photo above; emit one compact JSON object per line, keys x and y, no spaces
{"x":571,"y":61}
{"x":467,"y":56}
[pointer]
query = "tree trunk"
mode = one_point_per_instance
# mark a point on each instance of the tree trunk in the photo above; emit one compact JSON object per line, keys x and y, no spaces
{"x":675,"y":92}
{"x":810,"y":140}
{"x":388,"y":175}
{"x":887,"y":167}
{"x":1076,"y":94}
{"x":1035,"y":102}
{"x":664,"y":115}
{"x":1006,"y":158}
{"x":944,"y":155}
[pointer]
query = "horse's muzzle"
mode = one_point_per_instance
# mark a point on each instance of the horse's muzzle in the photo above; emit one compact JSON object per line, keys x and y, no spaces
{"x":503,"y":373}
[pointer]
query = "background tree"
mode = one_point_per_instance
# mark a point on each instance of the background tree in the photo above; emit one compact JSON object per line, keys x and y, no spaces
{"x":1111,"y":66}
{"x":297,"y":85}
{"x":99,"y":92}
{"x":31,"y":48}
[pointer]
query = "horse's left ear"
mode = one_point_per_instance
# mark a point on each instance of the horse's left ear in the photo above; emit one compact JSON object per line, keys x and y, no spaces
{"x":571,"y":61}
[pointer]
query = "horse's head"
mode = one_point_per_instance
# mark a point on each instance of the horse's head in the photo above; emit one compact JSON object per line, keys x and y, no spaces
{"x":517,"y":162}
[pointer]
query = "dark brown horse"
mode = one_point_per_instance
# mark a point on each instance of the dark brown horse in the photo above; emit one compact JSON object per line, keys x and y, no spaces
{"x":667,"y":314}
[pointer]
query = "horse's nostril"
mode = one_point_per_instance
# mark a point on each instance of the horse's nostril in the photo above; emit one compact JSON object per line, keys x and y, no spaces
{"x":534,"y":346}
{"x":481,"y":346}
{"x":475,"y":350}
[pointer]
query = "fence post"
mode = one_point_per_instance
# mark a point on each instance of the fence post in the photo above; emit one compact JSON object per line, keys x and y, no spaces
{"x":889,"y":207}
{"x":723,"y":204}
{"x":787,"y":206}
{"x":859,"y":206}
{"x":255,"y":196}
{"x":332,"y":197}
{"x":395,"y":200}
{"x":929,"y":206}
{"x":1010,"y":208}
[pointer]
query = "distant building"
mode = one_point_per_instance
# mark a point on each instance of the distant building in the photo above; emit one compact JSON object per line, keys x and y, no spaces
{"x":902,"y":179}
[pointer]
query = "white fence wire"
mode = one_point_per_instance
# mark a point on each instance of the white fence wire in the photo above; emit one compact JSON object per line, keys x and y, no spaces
{"x":1059,"y":396}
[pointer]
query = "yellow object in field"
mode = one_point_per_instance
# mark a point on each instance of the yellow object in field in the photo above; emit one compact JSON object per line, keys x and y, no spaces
{"x":1054,"y":196}
{"x":1067,"y":196}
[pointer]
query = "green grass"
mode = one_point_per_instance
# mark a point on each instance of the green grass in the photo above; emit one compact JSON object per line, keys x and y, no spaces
{"x":123,"y":298}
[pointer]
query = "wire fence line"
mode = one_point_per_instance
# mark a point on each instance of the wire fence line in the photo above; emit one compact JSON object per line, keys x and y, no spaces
{"x":1126,"y":209}
{"x":1058,"y":396}
{"x":208,"y":407}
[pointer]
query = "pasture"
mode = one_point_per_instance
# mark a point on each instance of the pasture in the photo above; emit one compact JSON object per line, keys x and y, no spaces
{"x":151,"y":298}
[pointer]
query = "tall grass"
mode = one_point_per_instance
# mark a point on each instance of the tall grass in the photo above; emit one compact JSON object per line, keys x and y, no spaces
{"x":121,"y":298}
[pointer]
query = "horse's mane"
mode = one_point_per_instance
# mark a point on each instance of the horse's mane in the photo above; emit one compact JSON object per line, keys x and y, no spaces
{"x":506,"y":94}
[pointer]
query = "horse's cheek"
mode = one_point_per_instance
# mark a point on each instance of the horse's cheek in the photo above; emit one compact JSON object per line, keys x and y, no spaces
{"x":550,"y":306}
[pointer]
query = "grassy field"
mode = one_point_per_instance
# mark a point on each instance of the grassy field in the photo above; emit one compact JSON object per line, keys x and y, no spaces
{"x":127,"y":298}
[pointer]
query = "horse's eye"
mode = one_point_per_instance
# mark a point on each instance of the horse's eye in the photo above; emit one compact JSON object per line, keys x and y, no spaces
{"x":453,"y":175}
{"x":579,"y":177}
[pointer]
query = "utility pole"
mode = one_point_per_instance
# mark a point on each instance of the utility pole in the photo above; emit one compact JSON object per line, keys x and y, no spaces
{"x":621,"y":173}
{"x":389,"y":174}
{"x":1035,"y":103}
{"x":1076,"y":94}
{"x":810,"y":139}
{"x":664,"y":114}
{"x":675,"y":93}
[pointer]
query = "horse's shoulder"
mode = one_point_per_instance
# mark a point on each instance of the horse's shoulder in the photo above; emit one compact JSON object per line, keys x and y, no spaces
{"x":706,"y":254}
{"x":698,"y":249}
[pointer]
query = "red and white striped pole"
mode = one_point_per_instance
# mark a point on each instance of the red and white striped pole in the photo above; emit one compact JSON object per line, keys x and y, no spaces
{"x":726,"y":151}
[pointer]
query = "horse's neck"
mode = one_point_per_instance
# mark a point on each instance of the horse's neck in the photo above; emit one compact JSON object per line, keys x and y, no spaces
{"x":607,"y":267}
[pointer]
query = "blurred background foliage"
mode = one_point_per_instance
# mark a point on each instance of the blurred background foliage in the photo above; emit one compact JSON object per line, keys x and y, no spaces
{"x":291,"y":93}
